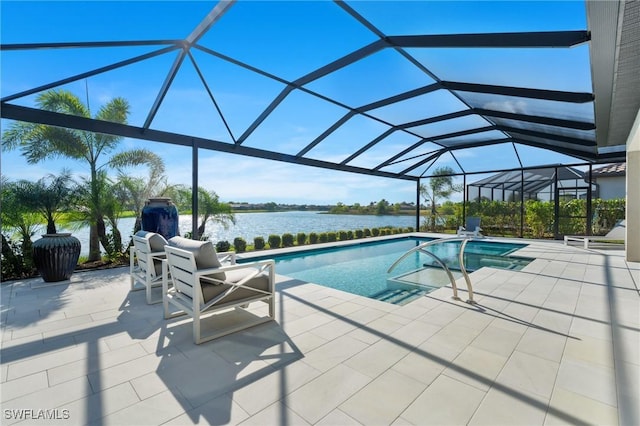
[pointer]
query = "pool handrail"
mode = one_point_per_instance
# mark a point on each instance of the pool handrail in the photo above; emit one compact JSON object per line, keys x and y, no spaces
{"x":421,"y":248}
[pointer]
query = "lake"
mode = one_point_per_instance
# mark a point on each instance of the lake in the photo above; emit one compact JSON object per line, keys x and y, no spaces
{"x":251,"y":225}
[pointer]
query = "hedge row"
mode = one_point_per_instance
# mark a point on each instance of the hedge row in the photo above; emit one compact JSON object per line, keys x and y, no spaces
{"x":301,"y":238}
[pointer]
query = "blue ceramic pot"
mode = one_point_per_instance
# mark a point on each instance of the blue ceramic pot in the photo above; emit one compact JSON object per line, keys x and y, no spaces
{"x":160,"y":215}
{"x":56,"y":256}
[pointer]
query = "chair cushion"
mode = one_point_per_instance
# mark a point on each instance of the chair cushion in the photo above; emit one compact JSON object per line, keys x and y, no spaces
{"x":156,"y":241}
{"x":203,"y":251}
{"x":261,"y":282}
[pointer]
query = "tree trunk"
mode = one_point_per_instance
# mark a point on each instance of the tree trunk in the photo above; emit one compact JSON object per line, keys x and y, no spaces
{"x":94,"y":243}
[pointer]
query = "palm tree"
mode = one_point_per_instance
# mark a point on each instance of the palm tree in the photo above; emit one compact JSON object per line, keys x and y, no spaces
{"x":39,"y":142}
{"x":210,"y":209}
{"x":134,"y":191}
{"x":17,"y":219}
{"x":440,"y":186}
{"x":49,"y":196}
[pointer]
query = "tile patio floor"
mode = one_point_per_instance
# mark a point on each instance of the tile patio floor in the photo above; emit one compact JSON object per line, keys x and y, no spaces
{"x":555,"y":343}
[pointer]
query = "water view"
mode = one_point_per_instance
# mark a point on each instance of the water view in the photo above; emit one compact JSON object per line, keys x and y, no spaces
{"x":251,"y":225}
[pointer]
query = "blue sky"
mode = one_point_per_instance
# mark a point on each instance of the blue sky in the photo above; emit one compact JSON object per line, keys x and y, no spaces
{"x":288,"y":42}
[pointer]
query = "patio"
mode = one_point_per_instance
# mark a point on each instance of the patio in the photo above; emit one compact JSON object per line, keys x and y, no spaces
{"x":555,"y":343}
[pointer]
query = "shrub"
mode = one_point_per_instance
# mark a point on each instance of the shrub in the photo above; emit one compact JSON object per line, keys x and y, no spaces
{"x":239,"y":245}
{"x":274,"y":241}
{"x":367,"y":232}
{"x":222,"y":246}
{"x":349,"y":235}
{"x":287,"y":240}
{"x":383,"y":231}
{"x":342,"y":235}
{"x":322,"y":237}
{"x":359,"y":233}
{"x":332,"y":236}
{"x":313,"y":238}
{"x":375,"y":232}
{"x":258,"y":243}
{"x":301,"y":238}
{"x":410,"y":229}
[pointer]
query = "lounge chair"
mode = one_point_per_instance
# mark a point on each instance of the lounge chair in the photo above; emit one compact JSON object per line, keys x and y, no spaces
{"x":471,"y":228}
{"x":145,"y":262}
{"x":617,"y":233}
{"x":203,"y":286}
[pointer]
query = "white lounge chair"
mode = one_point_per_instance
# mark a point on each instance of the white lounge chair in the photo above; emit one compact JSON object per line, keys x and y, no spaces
{"x":202,"y":286}
{"x":145,"y":262}
{"x":471,"y":228}
{"x":617,"y":233}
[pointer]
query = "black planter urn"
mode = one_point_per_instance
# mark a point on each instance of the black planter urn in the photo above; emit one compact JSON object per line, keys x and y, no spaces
{"x":160,"y":215}
{"x":56,"y":256}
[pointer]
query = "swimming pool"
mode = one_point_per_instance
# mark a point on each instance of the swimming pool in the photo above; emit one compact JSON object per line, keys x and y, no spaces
{"x":362,"y":268}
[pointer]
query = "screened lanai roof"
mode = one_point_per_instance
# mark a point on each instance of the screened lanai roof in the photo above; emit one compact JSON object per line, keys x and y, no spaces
{"x":385,"y":88}
{"x":529,"y":181}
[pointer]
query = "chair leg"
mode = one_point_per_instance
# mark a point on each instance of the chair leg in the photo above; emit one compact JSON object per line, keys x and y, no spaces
{"x":196,"y":326}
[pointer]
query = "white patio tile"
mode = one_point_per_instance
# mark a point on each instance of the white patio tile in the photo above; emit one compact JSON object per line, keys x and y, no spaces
{"x":120,"y":373}
{"x":24,"y":385}
{"x":46,"y":361}
{"x":589,"y":349}
{"x":220,"y":411}
{"x":529,"y":373}
{"x":49,"y":398}
{"x":395,"y":389}
{"x":588,"y":379}
{"x":276,"y":414}
{"x":152,"y":411}
{"x":445,"y":402}
{"x":333,"y":329}
{"x":510,"y":407}
{"x":337,"y":417}
{"x":499,"y":340}
{"x":379,"y":328}
{"x":476,"y":367}
{"x":322,"y":395}
{"x":94,"y":363}
{"x":90,"y":409}
{"x":377,"y":358}
{"x":543,"y":343}
{"x":567,"y":408}
{"x":334,"y":352}
{"x":273,"y":387}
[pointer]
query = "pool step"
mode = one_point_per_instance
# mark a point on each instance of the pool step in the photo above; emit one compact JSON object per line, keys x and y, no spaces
{"x":399,"y":296}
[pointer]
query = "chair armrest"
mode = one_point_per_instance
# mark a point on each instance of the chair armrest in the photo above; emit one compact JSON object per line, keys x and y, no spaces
{"x":256,"y":264}
{"x":227,"y":256}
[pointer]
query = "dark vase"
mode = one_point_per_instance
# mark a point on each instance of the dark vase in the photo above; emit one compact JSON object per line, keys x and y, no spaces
{"x":160,"y":215}
{"x":56,"y":256}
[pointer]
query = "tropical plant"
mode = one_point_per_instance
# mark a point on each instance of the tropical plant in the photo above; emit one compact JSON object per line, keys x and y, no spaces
{"x":211,"y":209}
{"x":440,"y":186}
{"x":135,"y":191}
{"x":40,"y":142}
{"x":239,"y":245}
{"x":20,"y":223}
{"x":49,"y":196}
{"x":258,"y":243}
{"x":274,"y":241}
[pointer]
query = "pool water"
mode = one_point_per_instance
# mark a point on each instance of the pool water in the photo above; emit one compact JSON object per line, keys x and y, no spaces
{"x":362,"y":268}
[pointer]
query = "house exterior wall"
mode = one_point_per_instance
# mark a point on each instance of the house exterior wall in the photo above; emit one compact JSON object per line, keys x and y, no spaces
{"x":610,"y":187}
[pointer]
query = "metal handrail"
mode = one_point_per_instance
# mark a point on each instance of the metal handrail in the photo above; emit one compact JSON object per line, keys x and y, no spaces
{"x":421,"y":248}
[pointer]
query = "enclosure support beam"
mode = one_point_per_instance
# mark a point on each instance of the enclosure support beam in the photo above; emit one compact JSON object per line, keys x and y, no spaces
{"x":194,"y":191}
{"x":589,"y":203}
{"x":556,"y":206}
{"x":418,"y":205}
{"x":633,"y":192}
